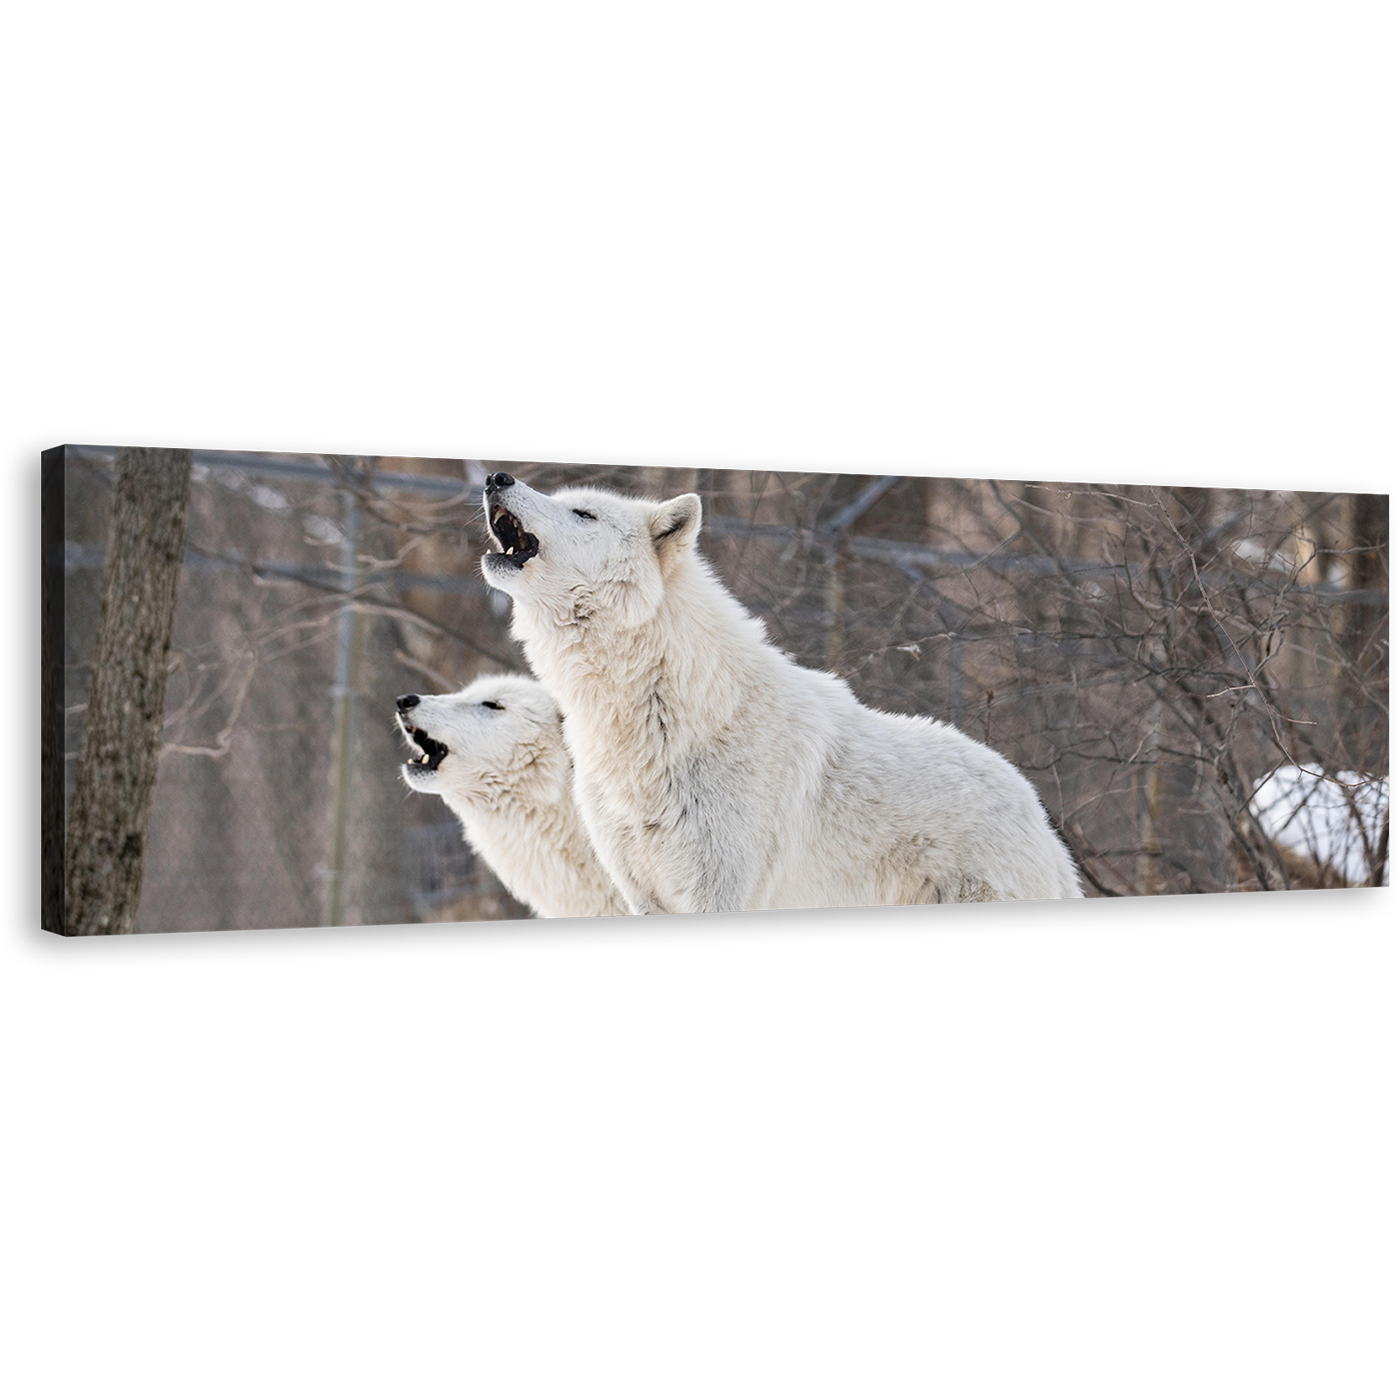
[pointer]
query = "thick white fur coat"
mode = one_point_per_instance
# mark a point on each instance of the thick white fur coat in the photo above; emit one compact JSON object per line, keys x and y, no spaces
{"x":508,"y":778}
{"x":712,"y":772}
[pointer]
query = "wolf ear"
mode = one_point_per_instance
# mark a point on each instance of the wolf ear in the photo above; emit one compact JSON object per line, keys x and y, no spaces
{"x":674,"y":527}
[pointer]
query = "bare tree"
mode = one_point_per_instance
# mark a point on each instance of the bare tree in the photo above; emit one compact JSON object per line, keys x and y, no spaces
{"x":1156,"y":653}
{"x":126,"y":704}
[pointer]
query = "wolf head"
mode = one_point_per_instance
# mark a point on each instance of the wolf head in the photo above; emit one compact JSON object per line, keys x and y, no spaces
{"x":584,"y":553}
{"x":500,"y":735}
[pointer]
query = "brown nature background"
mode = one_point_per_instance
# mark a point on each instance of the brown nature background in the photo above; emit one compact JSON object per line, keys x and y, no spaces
{"x":1146,"y":655}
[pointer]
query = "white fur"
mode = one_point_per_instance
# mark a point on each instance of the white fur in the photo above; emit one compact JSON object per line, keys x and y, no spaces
{"x":508,"y":778}
{"x":713,"y":772}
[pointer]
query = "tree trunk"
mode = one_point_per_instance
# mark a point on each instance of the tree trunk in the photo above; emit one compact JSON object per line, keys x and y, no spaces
{"x":116,"y":774}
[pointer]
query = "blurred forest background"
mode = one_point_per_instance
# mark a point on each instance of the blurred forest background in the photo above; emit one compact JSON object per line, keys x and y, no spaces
{"x":1196,"y":680}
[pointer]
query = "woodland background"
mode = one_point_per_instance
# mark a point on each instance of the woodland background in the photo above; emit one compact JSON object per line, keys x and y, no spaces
{"x":1146,"y":655}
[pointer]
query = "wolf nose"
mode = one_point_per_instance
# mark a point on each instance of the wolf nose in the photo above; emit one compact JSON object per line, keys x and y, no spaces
{"x":407,"y":702}
{"x":500,"y":480}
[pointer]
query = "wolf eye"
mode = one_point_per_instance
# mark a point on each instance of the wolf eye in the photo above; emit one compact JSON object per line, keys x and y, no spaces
{"x":492,"y":705}
{"x":584,"y":514}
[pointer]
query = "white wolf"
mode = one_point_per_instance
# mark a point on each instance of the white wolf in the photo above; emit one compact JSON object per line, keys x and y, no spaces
{"x":494,"y":752}
{"x":712,"y":771}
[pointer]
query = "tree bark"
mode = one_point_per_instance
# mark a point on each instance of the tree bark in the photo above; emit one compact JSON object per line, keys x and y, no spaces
{"x":116,"y":774}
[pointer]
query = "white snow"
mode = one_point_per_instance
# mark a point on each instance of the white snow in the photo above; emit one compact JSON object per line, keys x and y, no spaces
{"x":1336,"y":818}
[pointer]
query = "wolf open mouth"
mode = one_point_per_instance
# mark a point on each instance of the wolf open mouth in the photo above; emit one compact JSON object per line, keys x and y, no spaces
{"x":433,"y":752}
{"x":510,"y":536}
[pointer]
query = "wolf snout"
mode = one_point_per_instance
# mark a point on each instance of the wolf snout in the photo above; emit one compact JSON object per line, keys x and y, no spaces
{"x":498,"y":481}
{"x":407,"y":702}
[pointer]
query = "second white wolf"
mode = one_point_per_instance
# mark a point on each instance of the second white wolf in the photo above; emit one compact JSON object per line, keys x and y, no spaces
{"x":714,"y":773}
{"x":494,"y":752}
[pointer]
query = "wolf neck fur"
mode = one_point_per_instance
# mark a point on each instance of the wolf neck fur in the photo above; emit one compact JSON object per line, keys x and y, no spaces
{"x":699,"y":640}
